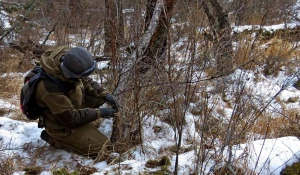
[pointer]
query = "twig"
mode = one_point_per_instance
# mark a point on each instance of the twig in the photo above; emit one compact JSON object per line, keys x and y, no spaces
{"x":283,"y":163}
{"x":50,"y":32}
{"x":17,"y":24}
{"x":15,"y":149}
{"x":101,"y":152}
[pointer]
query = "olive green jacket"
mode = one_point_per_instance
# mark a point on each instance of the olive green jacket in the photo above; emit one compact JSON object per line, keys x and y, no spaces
{"x":65,"y":112}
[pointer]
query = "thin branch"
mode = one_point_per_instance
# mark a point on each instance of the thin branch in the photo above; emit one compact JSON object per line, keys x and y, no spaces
{"x":50,"y":32}
{"x":18,"y":23}
{"x":189,"y":81}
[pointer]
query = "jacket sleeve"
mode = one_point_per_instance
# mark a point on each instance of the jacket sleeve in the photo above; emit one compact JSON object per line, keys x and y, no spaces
{"x":61,"y":106}
{"x":94,"y":92}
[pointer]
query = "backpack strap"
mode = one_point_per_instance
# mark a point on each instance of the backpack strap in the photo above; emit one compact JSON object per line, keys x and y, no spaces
{"x":63,"y":86}
{"x":28,"y":101}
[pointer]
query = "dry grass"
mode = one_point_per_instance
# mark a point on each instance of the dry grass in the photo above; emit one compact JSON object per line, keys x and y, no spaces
{"x":263,"y":126}
{"x":272,"y":53}
{"x":9,"y":163}
{"x":279,"y":47}
{"x":6,"y":165}
{"x":13,"y":61}
{"x":286,"y":124}
{"x":277,"y":53}
{"x":3,"y":111}
{"x":242,"y":54}
{"x":10,"y":85}
{"x":12,"y":65}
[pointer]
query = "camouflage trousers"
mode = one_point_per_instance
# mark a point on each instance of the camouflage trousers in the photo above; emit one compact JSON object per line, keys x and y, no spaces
{"x":86,"y":140}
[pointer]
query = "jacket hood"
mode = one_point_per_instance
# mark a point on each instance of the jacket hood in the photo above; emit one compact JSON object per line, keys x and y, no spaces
{"x":50,"y":61}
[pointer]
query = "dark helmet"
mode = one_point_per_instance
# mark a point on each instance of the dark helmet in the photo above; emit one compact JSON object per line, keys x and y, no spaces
{"x":77,"y":63}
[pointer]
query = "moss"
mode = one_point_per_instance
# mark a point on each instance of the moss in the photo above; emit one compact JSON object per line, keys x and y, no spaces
{"x":28,"y":5}
{"x":86,"y":170}
{"x":63,"y":171}
{"x":32,"y":170}
{"x":11,"y":8}
{"x":152,"y":163}
{"x":269,"y":70}
{"x":293,"y":100}
{"x":196,"y":111}
{"x":297,"y":84}
{"x":291,"y":170}
{"x":267,"y":35}
{"x":3,"y":111}
{"x":182,"y":149}
{"x":163,"y":171}
{"x":164,"y":161}
{"x":225,"y":171}
{"x":157,"y":129}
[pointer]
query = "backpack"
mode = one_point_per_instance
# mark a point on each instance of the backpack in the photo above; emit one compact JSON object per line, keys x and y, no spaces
{"x":28,"y":103}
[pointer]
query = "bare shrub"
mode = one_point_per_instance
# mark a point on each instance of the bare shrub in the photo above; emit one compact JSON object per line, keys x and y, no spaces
{"x":261,"y":12}
{"x":13,"y":61}
{"x":32,"y":170}
{"x":243,"y":53}
{"x":10,"y":85}
{"x":6,"y":165}
{"x":277,"y":54}
{"x":289,"y":124}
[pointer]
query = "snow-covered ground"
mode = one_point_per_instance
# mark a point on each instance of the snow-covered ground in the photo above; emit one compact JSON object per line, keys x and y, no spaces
{"x":268,"y":156}
{"x":265,"y":156}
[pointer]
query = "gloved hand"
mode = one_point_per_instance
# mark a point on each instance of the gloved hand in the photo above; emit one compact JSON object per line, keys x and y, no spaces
{"x":111,"y":99}
{"x":107,"y":112}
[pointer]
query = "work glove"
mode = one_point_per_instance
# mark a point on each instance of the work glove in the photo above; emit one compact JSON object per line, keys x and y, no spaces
{"x":111,"y":99}
{"x":107,"y":112}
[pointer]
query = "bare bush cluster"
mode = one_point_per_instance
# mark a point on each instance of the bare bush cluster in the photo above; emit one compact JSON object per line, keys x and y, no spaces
{"x":185,"y":68}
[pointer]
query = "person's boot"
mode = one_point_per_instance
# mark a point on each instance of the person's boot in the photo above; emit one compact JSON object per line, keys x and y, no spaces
{"x":45,"y":136}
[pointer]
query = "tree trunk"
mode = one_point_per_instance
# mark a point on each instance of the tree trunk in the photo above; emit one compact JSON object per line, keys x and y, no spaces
{"x":221,"y":32}
{"x":116,"y":130}
{"x":149,"y":12}
{"x":114,"y":36}
{"x":241,"y":12}
{"x":148,"y":50}
{"x":114,"y":29}
{"x":74,"y":18}
{"x":153,"y":53}
{"x":120,"y":27}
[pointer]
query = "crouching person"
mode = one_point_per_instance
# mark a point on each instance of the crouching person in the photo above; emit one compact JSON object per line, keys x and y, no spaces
{"x":68,"y":117}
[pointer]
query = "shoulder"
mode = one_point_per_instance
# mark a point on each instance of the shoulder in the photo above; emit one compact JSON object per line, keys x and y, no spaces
{"x":47,"y":86}
{"x":55,"y":51}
